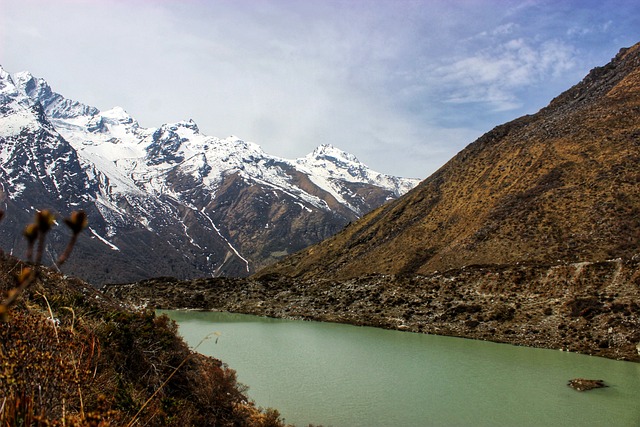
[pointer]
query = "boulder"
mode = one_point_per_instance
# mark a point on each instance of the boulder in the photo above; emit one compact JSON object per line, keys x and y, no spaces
{"x":582,"y":384}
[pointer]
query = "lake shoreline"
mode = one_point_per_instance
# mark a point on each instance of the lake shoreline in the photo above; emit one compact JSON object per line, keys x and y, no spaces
{"x":344,"y":375}
{"x":577,"y":307}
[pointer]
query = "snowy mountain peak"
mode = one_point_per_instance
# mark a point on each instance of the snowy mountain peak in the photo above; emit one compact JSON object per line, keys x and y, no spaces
{"x":330,"y":165}
{"x":54,"y":104}
{"x":189,"y":124}
{"x":216,"y":206}
{"x":183,"y":130}
{"x":118,"y":115}
{"x":4,"y":75}
{"x":241,"y":144}
{"x":17,"y":111}
{"x":335,"y":163}
{"x":7,"y":86}
{"x":30,"y":85}
{"x":331,"y":153}
{"x":233,"y":139}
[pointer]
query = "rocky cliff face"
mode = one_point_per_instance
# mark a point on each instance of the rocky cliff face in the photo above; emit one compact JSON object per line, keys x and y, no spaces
{"x":168,"y":201}
{"x":559,"y":185}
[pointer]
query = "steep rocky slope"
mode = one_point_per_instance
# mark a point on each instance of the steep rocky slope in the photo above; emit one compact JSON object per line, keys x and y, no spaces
{"x":560,"y":185}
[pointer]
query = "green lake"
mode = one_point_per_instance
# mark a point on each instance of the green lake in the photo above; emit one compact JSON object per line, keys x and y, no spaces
{"x":341,"y":375}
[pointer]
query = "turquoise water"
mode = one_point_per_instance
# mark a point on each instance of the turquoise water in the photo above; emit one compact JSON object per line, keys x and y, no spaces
{"x":341,"y":375}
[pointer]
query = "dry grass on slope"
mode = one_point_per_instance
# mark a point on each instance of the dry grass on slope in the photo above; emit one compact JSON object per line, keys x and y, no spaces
{"x":70,"y":356}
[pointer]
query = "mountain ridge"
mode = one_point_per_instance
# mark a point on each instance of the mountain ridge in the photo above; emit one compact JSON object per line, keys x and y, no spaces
{"x":558,"y":185}
{"x":170,"y":200}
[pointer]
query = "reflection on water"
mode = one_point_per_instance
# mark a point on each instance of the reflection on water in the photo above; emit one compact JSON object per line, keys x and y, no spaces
{"x":342,"y":375}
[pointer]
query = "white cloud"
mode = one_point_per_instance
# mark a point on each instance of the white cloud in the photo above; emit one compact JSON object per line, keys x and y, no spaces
{"x":401,"y":84}
{"x":593,"y":28}
{"x":497,"y":75}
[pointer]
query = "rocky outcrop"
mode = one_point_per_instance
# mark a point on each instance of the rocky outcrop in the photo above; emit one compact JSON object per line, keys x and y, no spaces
{"x":590,"y":308}
{"x":583,"y":384}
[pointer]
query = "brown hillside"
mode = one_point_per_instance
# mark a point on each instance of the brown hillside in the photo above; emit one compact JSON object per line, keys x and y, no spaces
{"x":560,"y":185}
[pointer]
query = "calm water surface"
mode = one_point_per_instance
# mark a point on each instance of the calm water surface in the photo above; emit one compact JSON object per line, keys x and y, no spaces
{"x":341,"y":375}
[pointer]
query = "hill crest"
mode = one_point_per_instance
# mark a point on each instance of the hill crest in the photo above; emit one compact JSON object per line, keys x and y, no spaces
{"x":561,"y":185}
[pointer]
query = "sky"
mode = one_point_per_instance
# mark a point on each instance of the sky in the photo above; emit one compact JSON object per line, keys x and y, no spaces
{"x":402,"y":84}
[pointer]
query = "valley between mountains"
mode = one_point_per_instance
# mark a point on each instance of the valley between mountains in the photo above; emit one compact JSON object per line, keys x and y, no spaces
{"x":529,"y":236}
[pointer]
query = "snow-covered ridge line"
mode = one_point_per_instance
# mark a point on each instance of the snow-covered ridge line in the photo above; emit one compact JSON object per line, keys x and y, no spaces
{"x":137,"y":181}
{"x":114,"y":135}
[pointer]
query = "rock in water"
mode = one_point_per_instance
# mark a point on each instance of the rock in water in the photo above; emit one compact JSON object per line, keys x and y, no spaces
{"x":582,"y":384}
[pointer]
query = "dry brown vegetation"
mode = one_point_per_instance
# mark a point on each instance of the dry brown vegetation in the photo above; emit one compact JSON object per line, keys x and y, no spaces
{"x":69,"y":356}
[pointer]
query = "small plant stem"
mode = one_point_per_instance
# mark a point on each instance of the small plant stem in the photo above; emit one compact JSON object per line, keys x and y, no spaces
{"x":68,"y":249}
{"x":135,"y":417}
{"x":29,"y":254}
{"x":41,"y":244}
{"x":55,"y":327}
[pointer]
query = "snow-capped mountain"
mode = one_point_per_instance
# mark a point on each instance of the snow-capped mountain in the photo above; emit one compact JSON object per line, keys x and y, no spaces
{"x":169,"y":200}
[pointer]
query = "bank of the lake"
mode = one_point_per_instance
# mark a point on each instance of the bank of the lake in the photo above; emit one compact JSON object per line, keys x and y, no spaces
{"x":590,"y":308}
{"x":341,"y":375}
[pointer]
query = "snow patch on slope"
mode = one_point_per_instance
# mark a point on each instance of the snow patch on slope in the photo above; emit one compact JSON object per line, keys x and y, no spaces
{"x":13,"y":124}
{"x":103,"y":240}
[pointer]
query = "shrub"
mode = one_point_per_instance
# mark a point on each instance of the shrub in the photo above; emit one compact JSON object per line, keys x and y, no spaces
{"x":69,"y":356}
